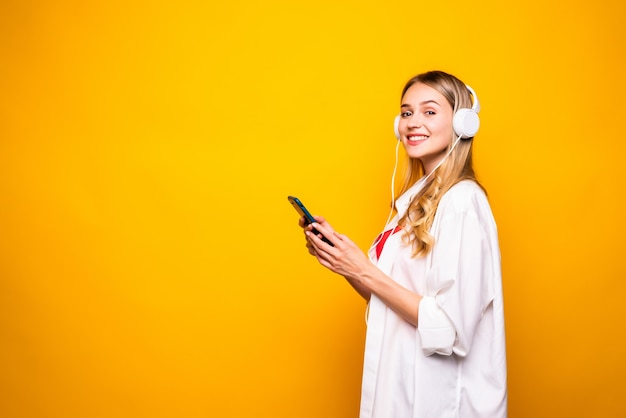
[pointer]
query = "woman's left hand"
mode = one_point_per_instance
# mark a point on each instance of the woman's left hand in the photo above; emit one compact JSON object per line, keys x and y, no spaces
{"x":344,"y":258}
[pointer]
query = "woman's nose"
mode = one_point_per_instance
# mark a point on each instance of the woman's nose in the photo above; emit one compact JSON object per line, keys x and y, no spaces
{"x":415,"y":121}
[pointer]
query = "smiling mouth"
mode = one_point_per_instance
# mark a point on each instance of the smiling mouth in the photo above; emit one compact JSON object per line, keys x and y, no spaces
{"x":416,"y":139}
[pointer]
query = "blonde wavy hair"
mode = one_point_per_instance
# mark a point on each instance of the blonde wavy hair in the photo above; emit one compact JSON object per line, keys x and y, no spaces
{"x":457,"y":167}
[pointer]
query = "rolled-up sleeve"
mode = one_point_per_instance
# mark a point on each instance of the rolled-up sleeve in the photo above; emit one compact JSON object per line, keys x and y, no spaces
{"x":436,"y":331}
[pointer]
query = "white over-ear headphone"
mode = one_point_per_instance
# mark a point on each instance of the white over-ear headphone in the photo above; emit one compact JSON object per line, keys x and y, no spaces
{"x":465,"y":121}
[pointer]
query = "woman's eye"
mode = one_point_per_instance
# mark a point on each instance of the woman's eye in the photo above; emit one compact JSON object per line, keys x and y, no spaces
{"x":406,"y":114}
{"x":430,"y":112}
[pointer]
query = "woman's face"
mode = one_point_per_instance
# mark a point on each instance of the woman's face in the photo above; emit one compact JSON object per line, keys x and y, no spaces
{"x":425,"y":125}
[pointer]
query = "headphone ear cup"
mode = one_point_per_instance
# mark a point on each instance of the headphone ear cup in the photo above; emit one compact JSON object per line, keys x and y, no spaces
{"x":465,"y":123}
{"x":396,"y":122}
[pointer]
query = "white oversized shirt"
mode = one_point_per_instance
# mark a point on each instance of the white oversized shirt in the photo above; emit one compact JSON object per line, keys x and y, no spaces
{"x":454,"y":363}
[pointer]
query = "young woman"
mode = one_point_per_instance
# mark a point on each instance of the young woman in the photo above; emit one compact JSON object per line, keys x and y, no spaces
{"x":435,"y":343}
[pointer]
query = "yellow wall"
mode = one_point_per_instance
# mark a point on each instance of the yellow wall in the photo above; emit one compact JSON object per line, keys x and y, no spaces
{"x":150,"y":265}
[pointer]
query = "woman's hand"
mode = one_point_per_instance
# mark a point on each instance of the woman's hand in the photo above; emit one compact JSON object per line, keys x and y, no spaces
{"x":344,"y":257}
{"x":307,"y":227}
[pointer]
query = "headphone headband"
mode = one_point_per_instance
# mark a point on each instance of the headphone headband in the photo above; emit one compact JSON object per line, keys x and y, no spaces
{"x":475,"y":102}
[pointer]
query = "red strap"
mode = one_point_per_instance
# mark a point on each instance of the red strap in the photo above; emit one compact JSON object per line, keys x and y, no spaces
{"x":383,"y":239}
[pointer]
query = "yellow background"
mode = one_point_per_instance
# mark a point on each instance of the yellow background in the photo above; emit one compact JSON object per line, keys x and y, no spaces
{"x":150,"y":265}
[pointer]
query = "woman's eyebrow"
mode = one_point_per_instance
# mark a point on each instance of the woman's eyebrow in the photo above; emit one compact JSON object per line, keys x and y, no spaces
{"x":425,"y":102}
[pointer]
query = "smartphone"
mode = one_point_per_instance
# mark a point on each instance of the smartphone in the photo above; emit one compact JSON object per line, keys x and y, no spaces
{"x":308,"y":218}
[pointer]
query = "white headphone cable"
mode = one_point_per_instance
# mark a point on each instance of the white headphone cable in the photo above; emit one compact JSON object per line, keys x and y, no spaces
{"x":393,"y":203}
{"x":393,"y":182}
